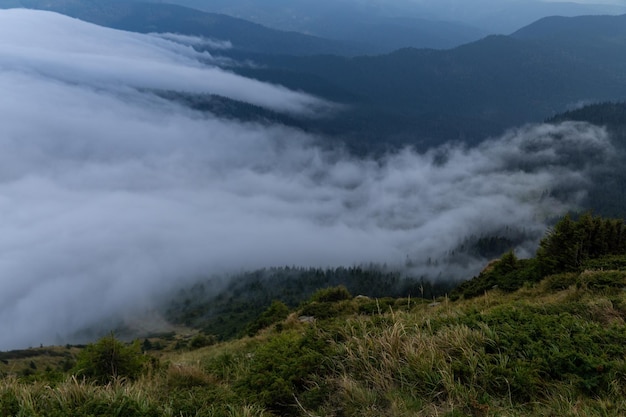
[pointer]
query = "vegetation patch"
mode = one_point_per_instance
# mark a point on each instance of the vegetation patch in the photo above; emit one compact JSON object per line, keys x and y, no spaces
{"x":554,"y":346}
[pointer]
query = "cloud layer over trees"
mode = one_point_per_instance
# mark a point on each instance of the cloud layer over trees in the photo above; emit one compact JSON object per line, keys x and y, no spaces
{"x":110,"y":194}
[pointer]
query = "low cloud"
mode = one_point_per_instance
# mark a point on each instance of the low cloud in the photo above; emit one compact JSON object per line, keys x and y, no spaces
{"x":72,"y":51}
{"x":195,"y":41}
{"x":110,"y":195}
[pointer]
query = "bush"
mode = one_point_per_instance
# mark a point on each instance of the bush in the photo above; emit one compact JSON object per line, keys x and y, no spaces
{"x":545,"y":346}
{"x":275,"y":313}
{"x":9,"y":404}
{"x":507,"y":274}
{"x":284,"y":367}
{"x":560,"y":282}
{"x":200,"y":340}
{"x":108,"y":359}
{"x":323,"y":311}
{"x":330,"y":295}
{"x":378,"y":306}
{"x":602,"y":280}
{"x":184,"y":377}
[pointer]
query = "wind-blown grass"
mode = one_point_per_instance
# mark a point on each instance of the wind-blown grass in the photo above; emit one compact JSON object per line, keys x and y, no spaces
{"x":553,"y":348}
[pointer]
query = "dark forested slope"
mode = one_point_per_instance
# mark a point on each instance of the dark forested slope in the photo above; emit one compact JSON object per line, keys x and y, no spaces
{"x":425,"y":97}
{"x":608,"y":194}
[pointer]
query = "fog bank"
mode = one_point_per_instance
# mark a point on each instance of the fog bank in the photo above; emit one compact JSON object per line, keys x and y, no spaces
{"x":110,"y":195}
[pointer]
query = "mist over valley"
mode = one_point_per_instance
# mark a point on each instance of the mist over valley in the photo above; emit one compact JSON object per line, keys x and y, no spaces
{"x":137,"y":163}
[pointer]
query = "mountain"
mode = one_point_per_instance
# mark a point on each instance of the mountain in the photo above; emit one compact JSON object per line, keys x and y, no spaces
{"x":575,"y":30}
{"x":600,"y":38}
{"x":426,"y":97}
{"x":152,"y":17}
{"x":324,"y":18}
{"x":420,"y":97}
{"x":506,"y":17}
{"x":376,"y":30}
{"x":608,"y":196}
{"x":610,"y":114}
{"x":385,"y":34}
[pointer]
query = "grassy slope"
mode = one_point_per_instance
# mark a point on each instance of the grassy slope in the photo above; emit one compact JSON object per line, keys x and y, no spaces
{"x":555,"y":348}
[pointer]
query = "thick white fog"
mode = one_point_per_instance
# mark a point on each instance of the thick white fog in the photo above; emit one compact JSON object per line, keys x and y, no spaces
{"x":110,"y":195}
{"x":71,"y":51}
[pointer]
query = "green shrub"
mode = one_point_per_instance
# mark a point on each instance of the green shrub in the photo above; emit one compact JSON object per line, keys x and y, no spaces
{"x":330,"y":295}
{"x":284,"y":367}
{"x":275,"y":313}
{"x":201,"y":340}
{"x":120,"y":405}
{"x":378,"y":306}
{"x":9,"y":404}
{"x":328,"y":310}
{"x":560,"y":282}
{"x":507,"y":274}
{"x":183,"y":377}
{"x":607,"y":263}
{"x":570,"y":245}
{"x":544,"y":347}
{"x":602,"y":280}
{"x":108,"y":359}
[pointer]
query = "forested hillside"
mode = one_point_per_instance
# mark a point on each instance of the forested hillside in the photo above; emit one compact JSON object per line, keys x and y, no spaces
{"x":608,"y":194}
{"x":426,"y":97}
{"x":549,"y":341}
{"x":609,"y":114}
{"x":226,"y":309}
{"x":376,"y":30}
{"x":569,"y":248}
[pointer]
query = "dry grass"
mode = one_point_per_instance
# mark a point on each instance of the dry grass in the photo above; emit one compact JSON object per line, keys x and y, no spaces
{"x":419,"y":361}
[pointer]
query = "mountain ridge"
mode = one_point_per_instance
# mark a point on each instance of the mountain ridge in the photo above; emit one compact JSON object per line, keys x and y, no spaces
{"x":573,"y":28}
{"x":425,"y":97}
{"x":145,"y":17}
{"x":419,"y":97}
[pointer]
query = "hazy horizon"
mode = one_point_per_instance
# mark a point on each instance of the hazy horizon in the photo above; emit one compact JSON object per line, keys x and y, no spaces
{"x":491,"y":16}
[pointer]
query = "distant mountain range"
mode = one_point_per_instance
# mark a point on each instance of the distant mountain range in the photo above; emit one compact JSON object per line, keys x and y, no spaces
{"x":344,"y":27}
{"x":421,"y":97}
{"x":375,"y":28}
{"x":342,"y":18}
{"x":145,"y":17}
{"x":424,"y":97}
{"x":505,"y":17}
{"x":599,"y":38}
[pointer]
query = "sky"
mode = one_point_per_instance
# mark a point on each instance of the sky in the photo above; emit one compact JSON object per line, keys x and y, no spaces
{"x":111,"y":196}
{"x":615,"y":2}
{"x":612,"y":2}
